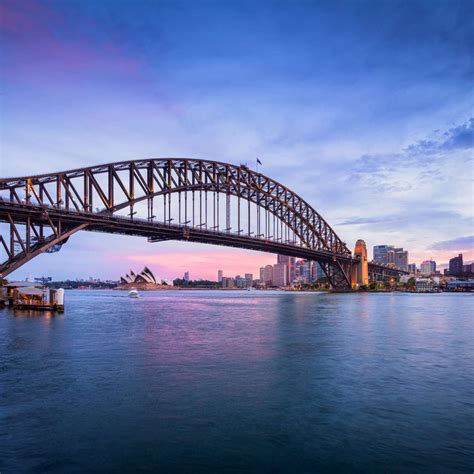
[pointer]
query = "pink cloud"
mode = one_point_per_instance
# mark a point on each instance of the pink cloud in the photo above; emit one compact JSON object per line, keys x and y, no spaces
{"x":439,"y":256}
{"x":200,"y":264}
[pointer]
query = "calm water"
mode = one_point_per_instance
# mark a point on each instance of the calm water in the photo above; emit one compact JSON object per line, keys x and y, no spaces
{"x":239,"y":382}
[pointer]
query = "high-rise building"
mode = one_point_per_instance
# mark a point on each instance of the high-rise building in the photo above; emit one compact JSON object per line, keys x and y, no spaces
{"x":268,"y":275}
{"x":455,"y":265}
{"x":388,"y":254}
{"x":428,"y":267}
{"x":401,"y":259}
{"x":220,"y":274}
{"x":412,"y":268}
{"x":279,"y":274}
{"x":186,"y":276}
{"x":262,"y":275}
{"x":248,"y":280}
{"x":290,"y":263}
{"x":317,"y":272}
{"x":305,"y":271}
{"x":381,"y":253}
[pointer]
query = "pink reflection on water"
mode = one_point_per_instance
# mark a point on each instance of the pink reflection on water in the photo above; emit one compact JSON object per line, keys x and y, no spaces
{"x":239,"y":332}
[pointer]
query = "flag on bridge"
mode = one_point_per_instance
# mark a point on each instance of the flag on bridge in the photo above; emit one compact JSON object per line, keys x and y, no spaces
{"x":259,"y":162}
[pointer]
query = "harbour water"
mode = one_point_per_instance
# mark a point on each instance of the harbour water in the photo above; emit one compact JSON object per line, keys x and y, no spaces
{"x":215,"y":381}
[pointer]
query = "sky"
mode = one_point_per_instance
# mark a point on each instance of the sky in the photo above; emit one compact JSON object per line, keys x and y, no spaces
{"x":363,"y":108}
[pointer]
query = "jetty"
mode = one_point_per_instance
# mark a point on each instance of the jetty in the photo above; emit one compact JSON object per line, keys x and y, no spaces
{"x":32,"y":296}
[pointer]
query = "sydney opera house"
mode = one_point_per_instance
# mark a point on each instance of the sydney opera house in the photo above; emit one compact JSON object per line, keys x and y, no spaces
{"x":141,"y":281}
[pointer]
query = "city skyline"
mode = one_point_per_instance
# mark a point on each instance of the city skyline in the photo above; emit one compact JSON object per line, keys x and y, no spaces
{"x":212,"y":273}
{"x":388,"y":122}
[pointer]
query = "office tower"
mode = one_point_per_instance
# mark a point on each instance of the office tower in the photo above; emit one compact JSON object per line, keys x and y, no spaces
{"x":381,"y":253}
{"x":388,"y":254}
{"x":279,"y":274}
{"x":412,"y":268}
{"x":401,"y":259}
{"x":428,"y":267}
{"x":317,"y":272}
{"x":268,"y":275}
{"x":455,"y":265}
{"x":220,"y":274}
{"x":290,"y":263}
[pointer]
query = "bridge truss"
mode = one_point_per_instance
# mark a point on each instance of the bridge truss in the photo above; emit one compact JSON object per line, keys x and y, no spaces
{"x":166,"y":199}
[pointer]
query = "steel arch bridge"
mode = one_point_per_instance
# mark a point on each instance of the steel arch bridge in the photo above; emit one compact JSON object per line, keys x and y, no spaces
{"x":169,"y":199}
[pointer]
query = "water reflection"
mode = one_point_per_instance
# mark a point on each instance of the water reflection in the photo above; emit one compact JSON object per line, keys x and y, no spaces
{"x":238,"y":381}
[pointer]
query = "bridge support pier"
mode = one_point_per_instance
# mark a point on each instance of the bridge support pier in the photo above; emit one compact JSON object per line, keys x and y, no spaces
{"x":360,"y":270}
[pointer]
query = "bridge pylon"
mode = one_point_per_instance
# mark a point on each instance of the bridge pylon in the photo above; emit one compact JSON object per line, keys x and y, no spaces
{"x":360,"y":270}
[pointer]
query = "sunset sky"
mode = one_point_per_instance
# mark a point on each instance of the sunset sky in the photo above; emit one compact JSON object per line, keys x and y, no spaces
{"x":363,"y":108}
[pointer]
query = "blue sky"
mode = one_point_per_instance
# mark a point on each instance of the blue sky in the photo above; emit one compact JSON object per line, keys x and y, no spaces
{"x":363,"y":108}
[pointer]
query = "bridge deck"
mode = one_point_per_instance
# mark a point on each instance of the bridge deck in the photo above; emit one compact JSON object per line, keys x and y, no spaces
{"x":156,"y":231}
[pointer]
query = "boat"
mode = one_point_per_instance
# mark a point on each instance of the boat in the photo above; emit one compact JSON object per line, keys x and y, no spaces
{"x":133,"y":293}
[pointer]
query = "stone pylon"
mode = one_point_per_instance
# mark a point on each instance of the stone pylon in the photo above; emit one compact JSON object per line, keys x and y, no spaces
{"x":360,"y":271}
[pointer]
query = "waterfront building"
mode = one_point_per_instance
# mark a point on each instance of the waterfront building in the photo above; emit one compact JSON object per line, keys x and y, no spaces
{"x":239,"y":281}
{"x":279,"y":274}
{"x":455,"y":265}
{"x":248,"y":280}
{"x":461,"y":285}
{"x":428,"y":267}
{"x":424,"y":285}
{"x":220,"y":274}
{"x":290,"y":263}
{"x":186,"y":276}
{"x":143,"y":280}
{"x":412,"y":268}
{"x":228,"y":282}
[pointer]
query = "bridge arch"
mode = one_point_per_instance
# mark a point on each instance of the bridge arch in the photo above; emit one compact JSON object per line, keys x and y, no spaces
{"x":68,"y":201}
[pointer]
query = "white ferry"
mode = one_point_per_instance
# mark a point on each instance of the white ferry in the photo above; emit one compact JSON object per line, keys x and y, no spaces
{"x":133,"y":293}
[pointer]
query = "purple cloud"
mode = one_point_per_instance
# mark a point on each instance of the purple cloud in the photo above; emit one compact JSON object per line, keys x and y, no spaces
{"x":460,"y":137}
{"x":460,"y":243}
